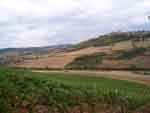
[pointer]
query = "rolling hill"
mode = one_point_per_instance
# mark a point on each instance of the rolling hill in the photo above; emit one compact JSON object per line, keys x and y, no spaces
{"x":113,"y":38}
{"x":36,"y":50}
{"x":117,"y":50}
{"x":11,"y":56}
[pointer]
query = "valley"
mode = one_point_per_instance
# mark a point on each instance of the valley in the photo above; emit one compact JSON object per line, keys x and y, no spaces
{"x":107,"y":74}
{"x":118,"y":54}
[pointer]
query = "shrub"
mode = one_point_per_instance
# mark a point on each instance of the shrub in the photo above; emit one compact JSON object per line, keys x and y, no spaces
{"x":86,"y":62}
{"x":131,"y":53}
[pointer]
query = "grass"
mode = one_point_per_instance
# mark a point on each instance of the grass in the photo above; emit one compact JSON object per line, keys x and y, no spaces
{"x":104,"y":40}
{"x":125,"y":45}
{"x":111,"y":39}
{"x":20,"y":88}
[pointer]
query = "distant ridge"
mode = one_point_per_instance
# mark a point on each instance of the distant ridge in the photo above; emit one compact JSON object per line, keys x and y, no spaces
{"x":103,"y":40}
{"x":116,"y":50}
{"x":36,"y":50}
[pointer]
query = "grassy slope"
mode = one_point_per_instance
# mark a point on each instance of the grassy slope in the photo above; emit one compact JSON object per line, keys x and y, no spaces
{"x":120,"y":52}
{"x":113,"y":42}
{"x":120,"y":42}
{"x":100,"y":41}
{"x":111,"y":39}
{"x":28,"y":89}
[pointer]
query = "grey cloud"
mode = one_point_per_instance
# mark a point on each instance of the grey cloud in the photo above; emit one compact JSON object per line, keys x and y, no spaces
{"x":45,"y":22}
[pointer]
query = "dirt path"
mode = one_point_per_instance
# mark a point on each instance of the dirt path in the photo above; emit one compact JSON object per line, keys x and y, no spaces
{"x":120,"y":75}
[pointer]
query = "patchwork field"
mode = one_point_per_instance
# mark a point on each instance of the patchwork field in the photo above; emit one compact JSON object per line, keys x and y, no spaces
{"x":23,"y":91}
{"x":58,"y":61}
{"x":120,"y":55}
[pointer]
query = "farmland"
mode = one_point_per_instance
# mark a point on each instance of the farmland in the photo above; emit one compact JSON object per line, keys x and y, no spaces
{"x":23,"y":91}
{"x":120,"y":50}
{"x":77,"y":78}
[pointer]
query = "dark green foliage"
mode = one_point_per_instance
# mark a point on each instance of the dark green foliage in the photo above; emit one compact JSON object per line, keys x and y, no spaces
{"x":27,"y":89}
{"x":129,"y":54}
{"x":86,"y":62}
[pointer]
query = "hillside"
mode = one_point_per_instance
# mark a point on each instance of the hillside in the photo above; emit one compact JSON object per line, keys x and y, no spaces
{"x":113,"y":38}
{"x":119,"y":50}
{"x":131,"y":59}
{"x":127,"y":50}
{"x":10,"y":56}
{"x":36,"y":50}
{"x":59,"y":60}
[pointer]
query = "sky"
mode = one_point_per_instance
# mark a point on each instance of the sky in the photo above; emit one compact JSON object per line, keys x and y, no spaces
{"x":29,"y":23}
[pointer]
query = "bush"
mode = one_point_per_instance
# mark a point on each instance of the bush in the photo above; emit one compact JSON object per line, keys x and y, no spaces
{"x":24,"y":89}
{"x":131,"y":53}
{"x":86,"y":62}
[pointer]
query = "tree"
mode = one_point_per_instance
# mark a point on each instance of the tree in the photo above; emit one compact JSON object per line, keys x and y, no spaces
{"x":133,"y":42}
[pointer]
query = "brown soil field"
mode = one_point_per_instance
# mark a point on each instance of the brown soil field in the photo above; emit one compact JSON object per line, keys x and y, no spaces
{"x":60,"y":60}
{"x":91,"y":50}
{"x":142,"y":62}
{"x":50,"y":62}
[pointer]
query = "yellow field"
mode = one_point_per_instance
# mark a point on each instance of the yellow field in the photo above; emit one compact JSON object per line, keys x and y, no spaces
{"x":128,"y":45}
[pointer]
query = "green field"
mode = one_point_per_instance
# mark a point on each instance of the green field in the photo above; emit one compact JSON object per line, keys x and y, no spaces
{"x":56,"y":91}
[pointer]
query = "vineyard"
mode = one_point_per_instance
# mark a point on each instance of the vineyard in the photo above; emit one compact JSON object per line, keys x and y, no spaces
{"x":23,"y":91}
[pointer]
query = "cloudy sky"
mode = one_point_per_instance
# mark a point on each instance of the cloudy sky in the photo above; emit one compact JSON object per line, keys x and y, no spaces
{"x":26,"y":23}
